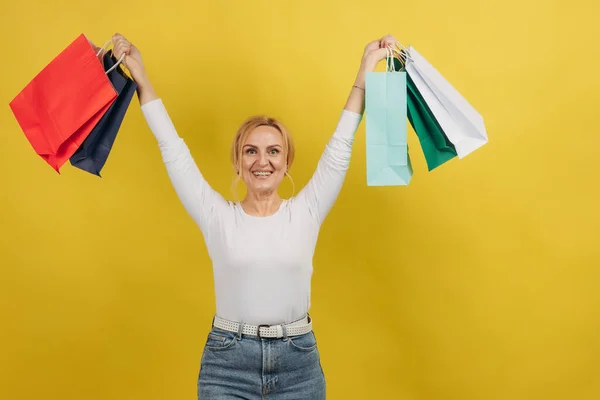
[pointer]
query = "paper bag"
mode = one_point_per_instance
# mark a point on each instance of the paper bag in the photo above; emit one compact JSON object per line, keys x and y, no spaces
{"x":461,"y":123}
{"x":436,"y":147}
{"x":388,"y":161}
{"x":93,"y":153}
{"x":61,"y":105}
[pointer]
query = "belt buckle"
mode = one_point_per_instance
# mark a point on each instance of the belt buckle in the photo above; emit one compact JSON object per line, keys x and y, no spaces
{"x":258,"y":330}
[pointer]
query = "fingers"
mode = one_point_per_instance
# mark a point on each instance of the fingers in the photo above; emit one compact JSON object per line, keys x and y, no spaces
{"x":387,"y":40}
{"x":118,"y":37}
{"x":383,"y":43}
{"x":382,"y":53}
{"x":121,"y":45}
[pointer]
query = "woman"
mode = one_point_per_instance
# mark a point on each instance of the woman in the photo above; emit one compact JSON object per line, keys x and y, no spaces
{"x":261,"y":344}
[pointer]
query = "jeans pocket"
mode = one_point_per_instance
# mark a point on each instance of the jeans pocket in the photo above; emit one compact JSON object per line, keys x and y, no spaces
{"x":220,"y":340}
{"x":306,"y":342}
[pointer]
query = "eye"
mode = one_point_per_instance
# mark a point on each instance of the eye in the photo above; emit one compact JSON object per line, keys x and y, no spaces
{"x":250,"y":151}
{"x":274,"y":151}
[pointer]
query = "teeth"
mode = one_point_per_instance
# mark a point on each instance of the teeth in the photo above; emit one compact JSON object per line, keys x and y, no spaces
{"x":262,"y":173}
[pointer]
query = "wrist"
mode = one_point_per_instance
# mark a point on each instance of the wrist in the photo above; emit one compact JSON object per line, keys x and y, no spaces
{"x":361,"y":77}
{"x":142,"y":81}
{"x":145,"y":91}
{"x":368,"y":64}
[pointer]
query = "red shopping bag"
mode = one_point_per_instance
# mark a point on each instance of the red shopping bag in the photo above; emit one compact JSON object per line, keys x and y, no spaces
{"x":59,"y":108}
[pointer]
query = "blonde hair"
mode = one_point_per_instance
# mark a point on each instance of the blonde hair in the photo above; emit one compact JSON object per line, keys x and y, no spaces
{"x":242,"y":135}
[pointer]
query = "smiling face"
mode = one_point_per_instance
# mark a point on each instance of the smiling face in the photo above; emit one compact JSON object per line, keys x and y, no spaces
{"x":263,"y":160}
{"x":262,"y":152}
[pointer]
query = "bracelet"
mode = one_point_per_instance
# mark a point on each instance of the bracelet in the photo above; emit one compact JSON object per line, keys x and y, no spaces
{"x":358,"y":87}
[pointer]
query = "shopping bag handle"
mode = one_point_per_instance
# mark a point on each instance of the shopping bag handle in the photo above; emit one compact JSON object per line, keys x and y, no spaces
{"x":406,"y":53}
{"x":117,"y":63}
{"x":402,"y":55}
{"x":389,"y":61}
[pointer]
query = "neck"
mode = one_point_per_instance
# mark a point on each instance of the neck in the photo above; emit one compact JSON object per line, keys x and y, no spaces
{"x":261,"y":204}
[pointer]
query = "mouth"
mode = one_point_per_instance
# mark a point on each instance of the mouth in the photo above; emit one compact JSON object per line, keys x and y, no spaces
{"x":262,"y":174}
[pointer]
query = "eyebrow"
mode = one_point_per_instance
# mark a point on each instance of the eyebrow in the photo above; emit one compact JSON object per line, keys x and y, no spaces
{"x":273,"y":145}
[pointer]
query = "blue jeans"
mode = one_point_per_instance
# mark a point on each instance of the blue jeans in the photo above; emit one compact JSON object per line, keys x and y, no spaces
{"x":238,"y":366}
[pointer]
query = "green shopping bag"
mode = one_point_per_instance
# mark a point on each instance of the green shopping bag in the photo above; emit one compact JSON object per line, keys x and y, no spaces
{"x":434,"y":143}
{"x":436,"y":146}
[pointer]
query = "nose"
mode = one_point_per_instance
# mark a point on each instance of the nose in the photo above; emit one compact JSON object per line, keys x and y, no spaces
{"x":263,"y":161}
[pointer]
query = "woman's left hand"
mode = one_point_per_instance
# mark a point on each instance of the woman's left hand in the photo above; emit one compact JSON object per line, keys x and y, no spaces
{"x":375,"y":52}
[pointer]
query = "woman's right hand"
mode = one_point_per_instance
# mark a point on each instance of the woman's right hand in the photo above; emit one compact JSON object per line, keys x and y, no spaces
{"x":133,"y":57}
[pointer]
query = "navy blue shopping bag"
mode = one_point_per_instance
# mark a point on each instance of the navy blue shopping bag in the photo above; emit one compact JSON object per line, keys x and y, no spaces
{"x":94,"y":151}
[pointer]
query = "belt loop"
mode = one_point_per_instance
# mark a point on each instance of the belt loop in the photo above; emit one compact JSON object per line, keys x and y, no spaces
{"x":283,"y":328}
{"x":240,"y":329}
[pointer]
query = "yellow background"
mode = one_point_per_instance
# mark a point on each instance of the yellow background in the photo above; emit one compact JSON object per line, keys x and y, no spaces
{"x":479,"y":280}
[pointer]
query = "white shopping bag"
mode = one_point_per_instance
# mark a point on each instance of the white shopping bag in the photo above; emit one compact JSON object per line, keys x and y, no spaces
{"x":461,"y":123}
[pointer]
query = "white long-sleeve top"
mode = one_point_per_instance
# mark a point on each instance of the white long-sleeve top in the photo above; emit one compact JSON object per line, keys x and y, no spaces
{"x":262,"y":265}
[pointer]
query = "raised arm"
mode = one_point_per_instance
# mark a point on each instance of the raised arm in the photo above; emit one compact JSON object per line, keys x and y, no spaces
{"x":199,"y":199}
{"x":322,"y":190}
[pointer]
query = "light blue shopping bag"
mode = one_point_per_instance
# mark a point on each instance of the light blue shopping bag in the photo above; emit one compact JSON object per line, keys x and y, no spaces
{"x":388,"y":161}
